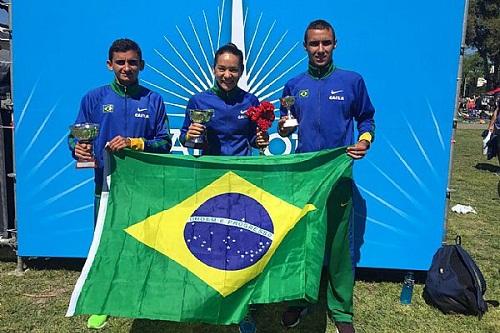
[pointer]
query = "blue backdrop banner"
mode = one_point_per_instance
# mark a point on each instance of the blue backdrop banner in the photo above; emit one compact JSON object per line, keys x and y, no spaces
{"x":407,"y":52}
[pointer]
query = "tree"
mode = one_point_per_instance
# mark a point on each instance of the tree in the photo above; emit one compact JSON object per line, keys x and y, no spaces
{"x":473,"y":68}
{"x":483,"y":33}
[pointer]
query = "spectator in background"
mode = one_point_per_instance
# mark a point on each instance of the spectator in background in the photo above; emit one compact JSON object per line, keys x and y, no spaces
{"x":494,"y":128}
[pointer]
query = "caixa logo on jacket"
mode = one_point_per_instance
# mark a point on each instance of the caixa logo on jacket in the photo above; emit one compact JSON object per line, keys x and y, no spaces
{"x":334,"y":95}
{"x":141,"y":113}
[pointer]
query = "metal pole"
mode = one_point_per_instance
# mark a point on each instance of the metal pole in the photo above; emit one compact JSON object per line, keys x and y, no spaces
{"x":20,"y":262}
{"x":4,"y":217}
{"x":455,"y":112}
{"x":465,"y":87}
{"x":4,"y":207}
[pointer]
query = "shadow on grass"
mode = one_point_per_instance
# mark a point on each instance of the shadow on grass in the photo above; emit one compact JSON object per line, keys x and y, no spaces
{"x":267,"y":317}
{"x":7,"y":254}
{"x":387,"y":275}
{"x":488,"y":167}
{"x":70,"y":264}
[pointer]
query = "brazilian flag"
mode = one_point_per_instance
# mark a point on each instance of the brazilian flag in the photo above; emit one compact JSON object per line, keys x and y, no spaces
{"x":186,"y":238}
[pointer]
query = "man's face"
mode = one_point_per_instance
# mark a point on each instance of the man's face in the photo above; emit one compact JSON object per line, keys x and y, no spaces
{"x":227,"y":71}
{"x":320,"y":46}
{"x":126,"y":66}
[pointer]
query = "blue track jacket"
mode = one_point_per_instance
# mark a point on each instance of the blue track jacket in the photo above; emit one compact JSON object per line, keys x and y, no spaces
{"x":136,"y":113}
{"x":229,"y":132}
{"x":327,"y":107}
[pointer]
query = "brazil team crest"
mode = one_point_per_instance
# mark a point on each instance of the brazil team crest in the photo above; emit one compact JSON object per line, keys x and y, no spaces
{"x":304,"y":93}
{"x":108,"y":108}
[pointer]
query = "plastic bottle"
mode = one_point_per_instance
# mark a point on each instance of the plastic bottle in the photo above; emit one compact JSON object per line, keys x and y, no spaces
{"x":407,"y":290}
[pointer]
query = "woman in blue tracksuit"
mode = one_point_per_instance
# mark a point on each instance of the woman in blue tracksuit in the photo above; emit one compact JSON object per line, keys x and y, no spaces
{"x":229,"y":131}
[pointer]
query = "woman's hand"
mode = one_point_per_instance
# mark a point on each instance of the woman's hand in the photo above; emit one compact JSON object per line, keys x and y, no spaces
{"x":195,"y":130}
{"x":262,"y":140}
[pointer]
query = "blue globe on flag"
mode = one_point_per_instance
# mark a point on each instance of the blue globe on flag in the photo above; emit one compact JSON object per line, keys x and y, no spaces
{"x":230,"y":231}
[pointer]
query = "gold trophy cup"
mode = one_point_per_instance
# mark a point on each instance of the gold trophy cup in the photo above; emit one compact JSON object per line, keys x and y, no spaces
{"x":85,"y":133}
{"x":287,"y":102}
{"x":199,"y":116}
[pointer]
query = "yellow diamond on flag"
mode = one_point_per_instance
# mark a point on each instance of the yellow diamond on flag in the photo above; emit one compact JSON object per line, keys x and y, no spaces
{"x":225,"y":233}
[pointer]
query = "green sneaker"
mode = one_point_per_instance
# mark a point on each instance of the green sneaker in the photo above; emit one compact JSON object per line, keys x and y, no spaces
{"x":97,"y":322}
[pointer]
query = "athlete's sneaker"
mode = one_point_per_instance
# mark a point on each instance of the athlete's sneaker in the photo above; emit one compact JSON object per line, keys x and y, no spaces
{"x":97,"y":322}
{"x":247,"y":325}
{"x":291,"y":316}
{"x":343,"y":327}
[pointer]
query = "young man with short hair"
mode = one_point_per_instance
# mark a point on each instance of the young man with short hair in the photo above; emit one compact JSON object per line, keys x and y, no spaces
{"x":328,"y":101}
{"x":129,"y":116}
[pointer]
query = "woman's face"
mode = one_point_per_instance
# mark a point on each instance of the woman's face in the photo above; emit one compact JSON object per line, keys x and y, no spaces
{"x":227,"y":71}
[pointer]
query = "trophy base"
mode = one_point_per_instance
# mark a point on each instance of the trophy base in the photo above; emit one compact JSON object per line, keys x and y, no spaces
{"x":189,"y":144}
{"x":86,"y":164}
{"x":193,"y":143}
{"x":289,"y":123}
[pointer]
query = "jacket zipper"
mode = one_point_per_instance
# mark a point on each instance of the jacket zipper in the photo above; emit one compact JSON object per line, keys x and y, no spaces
{"x":319,"y":113}
{"x":126,"y":112}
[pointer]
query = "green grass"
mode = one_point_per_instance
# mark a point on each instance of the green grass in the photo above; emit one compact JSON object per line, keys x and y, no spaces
{"x":37,"y":301}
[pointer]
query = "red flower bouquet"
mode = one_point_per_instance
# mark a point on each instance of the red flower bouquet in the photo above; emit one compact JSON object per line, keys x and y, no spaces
{"x":262,"y":115}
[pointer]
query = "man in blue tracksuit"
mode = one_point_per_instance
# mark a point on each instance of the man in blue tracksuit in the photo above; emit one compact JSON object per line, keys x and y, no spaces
{"x":128,"y":115}
{"x":328,"y":101}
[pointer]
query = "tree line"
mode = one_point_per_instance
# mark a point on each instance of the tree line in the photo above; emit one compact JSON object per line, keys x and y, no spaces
{"x":482,"y":39}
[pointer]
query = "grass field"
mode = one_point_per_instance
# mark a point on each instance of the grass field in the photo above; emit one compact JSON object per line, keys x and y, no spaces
{"x":37,"y":301}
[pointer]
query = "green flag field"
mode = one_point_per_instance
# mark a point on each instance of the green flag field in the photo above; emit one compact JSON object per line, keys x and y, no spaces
{"x":199,"y":239}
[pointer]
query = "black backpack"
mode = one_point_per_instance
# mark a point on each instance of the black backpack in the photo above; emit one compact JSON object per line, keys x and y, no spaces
{"x":454,"y":283}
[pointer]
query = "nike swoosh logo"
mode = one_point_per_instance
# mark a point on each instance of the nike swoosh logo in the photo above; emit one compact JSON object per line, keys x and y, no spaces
{"x":336,"y":92}
{"x":343,"y":204}
{"x":140,"y":110}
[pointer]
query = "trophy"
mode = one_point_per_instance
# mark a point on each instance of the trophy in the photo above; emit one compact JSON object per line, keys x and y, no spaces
{"x":287,"y":102}
{"x":85,"y":133}
{"x":199,"y":116}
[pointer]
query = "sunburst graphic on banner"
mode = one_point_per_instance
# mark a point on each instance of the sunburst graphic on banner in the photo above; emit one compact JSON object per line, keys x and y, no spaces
{"x":43,"y":159}
{"x":188,"y":62}
{"x":415,"y":201}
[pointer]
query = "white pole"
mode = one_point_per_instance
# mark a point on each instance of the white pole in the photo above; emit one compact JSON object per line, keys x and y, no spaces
{"x":238,"y":37}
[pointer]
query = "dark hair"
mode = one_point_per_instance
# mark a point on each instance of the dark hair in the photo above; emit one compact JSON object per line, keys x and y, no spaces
{"x":319,"y":25}
{"x":230,"y":48}
{"x":124,"y":45}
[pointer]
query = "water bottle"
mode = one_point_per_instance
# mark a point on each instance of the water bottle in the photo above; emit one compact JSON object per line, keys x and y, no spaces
{"x":407,"y":290}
